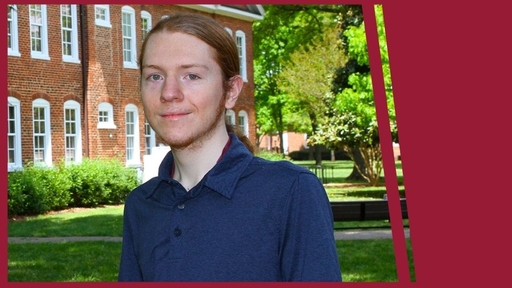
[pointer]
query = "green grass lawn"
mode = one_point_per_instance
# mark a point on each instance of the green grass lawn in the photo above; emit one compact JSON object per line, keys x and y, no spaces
{"x":360,"y":260}
{"x":338,"y":171}
{"x":98,"y":261}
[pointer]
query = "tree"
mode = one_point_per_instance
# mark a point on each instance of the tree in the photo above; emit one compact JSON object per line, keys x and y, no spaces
{"x":273,"y":43}
{"x":308,"y":76}
{"x":283,"y":30}
{"x":353,"y":124}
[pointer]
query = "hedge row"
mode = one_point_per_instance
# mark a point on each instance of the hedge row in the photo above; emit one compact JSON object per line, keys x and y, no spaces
{"x":36,"y":190}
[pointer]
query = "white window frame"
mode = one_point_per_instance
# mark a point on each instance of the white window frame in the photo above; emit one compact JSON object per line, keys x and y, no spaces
{"x":149,"y":136}
{"x":242,"y":53}
{"x":132,"y":133}
{"x":15,"y":123}
{"x":47,"y":141}
{"x":109,"y":109}
{"x":129,"y":49}
{"x":230,"y":117}
{"x":12,"y":24}
{"x":102,"y":22}
{"x":43,"y":26}
{"x":145,"y":16}
{"x":77,"y":135}
{"x":242,"y":115}
{"x":230,"y":32}
{"x":73,"y":31}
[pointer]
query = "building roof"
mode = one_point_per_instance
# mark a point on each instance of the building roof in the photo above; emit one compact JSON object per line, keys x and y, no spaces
{"x":242,"y":12}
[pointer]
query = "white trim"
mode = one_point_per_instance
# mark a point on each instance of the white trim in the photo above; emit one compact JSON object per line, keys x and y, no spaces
{"x":130,"y":51}
{"x":229,"y":31}
{"x":14,"y":50}
{"x":150,"y":139}
{"x":132,"y":131}
{"x":46,"y":132}
{"x":73,"y":42}
{"x":75,"y":107}
{"x":242,"y":53}
{"x":102,"y":22}
{"x":14,"y":123}
{"x":228,"y":11}
{"x":109,"y":124}
{"x":230,"y":117}
{"x":245,"y":125}
{"x":43,"y":30}
{"x":145,"y":15}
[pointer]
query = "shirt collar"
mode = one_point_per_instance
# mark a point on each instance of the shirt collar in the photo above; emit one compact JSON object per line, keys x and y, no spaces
{"x":224,"y":176}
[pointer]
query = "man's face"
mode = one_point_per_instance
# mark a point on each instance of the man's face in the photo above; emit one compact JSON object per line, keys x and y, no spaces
{"x":182,"y":89}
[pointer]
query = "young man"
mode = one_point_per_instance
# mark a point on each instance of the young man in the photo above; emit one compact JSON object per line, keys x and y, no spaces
{"x":215,"y":212}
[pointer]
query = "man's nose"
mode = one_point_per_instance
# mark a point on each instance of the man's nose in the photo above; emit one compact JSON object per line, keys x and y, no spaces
{"x":171,"y":90}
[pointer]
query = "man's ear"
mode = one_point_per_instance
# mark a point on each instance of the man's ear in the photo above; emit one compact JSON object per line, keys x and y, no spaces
{"x":235,"y":87}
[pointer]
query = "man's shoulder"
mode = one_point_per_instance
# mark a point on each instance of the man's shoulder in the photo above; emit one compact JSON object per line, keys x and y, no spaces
{"x":280,"y":167}
{"x":145,"y":189}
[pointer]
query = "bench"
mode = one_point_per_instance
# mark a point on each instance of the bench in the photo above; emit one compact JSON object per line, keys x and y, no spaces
{"x":366,"y":210}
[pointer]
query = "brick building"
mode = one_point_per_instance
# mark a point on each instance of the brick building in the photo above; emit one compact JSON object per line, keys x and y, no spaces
{"x":73,"y":79}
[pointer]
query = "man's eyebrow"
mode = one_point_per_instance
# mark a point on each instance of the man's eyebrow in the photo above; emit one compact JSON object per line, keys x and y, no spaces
{"x":183,"y":66}
{"x":151,"y":66}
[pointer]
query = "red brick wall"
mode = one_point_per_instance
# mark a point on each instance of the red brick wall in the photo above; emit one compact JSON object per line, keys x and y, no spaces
{"x":295,"y":142}
{"x":54,"y":80}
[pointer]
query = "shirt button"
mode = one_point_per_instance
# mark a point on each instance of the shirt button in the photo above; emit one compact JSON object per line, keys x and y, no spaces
{"x":177,"y":232}
{"x":181,"y":206}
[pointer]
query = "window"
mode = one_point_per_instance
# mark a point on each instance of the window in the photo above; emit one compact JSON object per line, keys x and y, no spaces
{"x":41,"y":132}
{"x":145,"y":24}
{"x":72,"y":132}
{"x":240,"y":43}
{"x":12,"y":31}
{"x":243,"y":122}
{"x":68,"y":22}
{"x":129,"y":39}
{"x":38,"y":32}
{"x":132,"y":135}
{"x":230,"y":117}
{"x":13,"y":134}
{"x":106,"y":116}
{"x":230,"y":32}
{"x":149,"y":134}
{"x":102,"y":15}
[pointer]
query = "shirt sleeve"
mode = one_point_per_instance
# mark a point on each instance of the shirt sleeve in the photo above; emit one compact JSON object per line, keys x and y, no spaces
{"x":308,"y":248}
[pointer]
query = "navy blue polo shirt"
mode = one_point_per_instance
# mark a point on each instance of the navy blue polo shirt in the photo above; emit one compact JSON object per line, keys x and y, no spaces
{"x":248,"y":219}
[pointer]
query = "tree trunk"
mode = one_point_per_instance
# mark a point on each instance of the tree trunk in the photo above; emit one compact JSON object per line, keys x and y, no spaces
{"x":318,"y":155}
{"x":358,"y":158}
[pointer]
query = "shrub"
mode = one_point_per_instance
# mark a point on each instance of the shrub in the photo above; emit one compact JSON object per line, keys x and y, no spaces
{"x":36,"y":190}
{"x":270,"y":155}
{"x":326,"y":155}
{"x":100,"y":181}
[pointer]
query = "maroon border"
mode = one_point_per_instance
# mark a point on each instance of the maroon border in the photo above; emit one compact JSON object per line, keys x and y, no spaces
{"x":451,"y":65}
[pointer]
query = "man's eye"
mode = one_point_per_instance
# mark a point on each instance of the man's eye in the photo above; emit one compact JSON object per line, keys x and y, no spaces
{"x":155,"y":77}
{"x":192,"y":77}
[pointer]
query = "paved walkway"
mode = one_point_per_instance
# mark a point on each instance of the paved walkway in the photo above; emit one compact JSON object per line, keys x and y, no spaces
{"x":366,"y":234}
{"x":338,"y":235}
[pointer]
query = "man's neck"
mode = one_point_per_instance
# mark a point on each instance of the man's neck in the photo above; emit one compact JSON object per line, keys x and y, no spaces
{"x":191,"y":164}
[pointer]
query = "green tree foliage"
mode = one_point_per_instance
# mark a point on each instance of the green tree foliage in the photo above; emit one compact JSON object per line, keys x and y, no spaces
{"x":284,"y":29}
{"x":353,"y":123}
{"x":307,"y":78}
